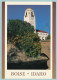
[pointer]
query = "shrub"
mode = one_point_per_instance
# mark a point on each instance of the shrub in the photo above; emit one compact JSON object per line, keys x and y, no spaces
{"x":30,"y":43}
{"x":18,"y":27}
{"x":21,"y":34}
{"x":48,"y":37}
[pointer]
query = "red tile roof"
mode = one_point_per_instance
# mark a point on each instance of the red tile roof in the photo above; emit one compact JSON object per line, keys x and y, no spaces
{"x":41,"y":31}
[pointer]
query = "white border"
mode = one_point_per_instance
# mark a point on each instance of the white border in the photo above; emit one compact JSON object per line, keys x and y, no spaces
{"x":8,"y":72}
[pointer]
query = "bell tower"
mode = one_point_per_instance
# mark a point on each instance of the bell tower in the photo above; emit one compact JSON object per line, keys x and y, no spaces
{"x":29,"y":17}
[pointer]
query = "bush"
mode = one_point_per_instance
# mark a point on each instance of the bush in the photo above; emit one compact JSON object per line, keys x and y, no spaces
{"x":48,"y":37}
{"x":30,"y":43}
{"x":18,"y":27}
{"x":21,"y":34}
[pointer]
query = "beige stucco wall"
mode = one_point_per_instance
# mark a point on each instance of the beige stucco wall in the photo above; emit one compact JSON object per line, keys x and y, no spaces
{"x":30,"y":19}
{"x":42,"y":35}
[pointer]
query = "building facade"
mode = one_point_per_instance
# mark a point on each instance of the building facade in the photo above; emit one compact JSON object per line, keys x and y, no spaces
{"x":29,"y":17}
{"x":42,"y":34}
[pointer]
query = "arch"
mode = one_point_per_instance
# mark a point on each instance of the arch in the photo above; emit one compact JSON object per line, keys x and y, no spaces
{"x":31,"y":14}
{"x":26,"y":13}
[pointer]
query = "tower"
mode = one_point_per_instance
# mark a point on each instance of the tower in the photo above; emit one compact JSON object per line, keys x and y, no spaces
{"x":29,"y":17}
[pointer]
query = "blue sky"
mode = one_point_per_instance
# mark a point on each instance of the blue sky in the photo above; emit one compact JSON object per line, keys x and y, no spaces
{"x":42,"y":14}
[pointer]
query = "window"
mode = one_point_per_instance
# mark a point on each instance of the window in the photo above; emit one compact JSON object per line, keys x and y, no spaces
{"x":31,"y":14}
{"x":42,"y":38}
{"x":26,"y":13}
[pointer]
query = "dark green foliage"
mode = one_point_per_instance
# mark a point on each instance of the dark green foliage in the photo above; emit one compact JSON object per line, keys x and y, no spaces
{"x":22,"y":35}
{"x":30,"y":43}
{"x":18,"y":27}
{"x":48,"y":37}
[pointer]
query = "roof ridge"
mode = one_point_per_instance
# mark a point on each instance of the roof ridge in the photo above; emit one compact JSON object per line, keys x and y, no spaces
{"x":41,"y":31}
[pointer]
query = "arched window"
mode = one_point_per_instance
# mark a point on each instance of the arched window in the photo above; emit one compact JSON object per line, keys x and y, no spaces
{"x":31,"y":14}
{"x":26,"y":13}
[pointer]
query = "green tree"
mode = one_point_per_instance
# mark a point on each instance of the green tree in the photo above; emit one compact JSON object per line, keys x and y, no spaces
{"x":30,"y":43}
{"x":48,"y":37}
{"x":22,"y":35}
{"x":18,"y":27}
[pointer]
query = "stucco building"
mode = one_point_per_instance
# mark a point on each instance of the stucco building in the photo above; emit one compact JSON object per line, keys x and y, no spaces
{"x":29,"y":17}
{"x":42,"y":34}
